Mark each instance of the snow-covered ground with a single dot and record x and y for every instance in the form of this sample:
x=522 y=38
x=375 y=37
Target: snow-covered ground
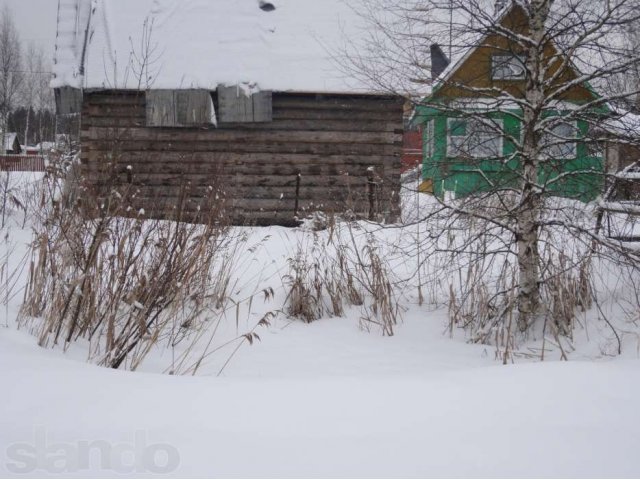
x=320 y=399
x=321 y=404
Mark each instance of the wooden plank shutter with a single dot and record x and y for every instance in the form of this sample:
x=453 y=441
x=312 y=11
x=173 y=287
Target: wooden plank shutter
x=262 y=107
x=68 y=100
x=179 y=108
x=237 y=107
x=160 y=108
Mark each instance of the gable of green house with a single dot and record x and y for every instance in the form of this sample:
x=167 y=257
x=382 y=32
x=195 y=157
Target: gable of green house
x=488 y=163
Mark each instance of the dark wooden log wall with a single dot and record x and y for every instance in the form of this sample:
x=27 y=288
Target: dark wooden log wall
x=331 y=141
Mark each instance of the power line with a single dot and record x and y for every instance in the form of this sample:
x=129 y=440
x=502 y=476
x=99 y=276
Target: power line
x=27 y=71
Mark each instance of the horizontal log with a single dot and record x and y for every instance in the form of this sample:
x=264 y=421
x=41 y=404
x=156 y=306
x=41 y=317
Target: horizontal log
x=172 y=200
x=278 y=115
x=89 y=121
x=195 y=170
x=311 y=125
x=344 y=125
x=244 y=211
x=257 y=180
x=135 y=99
x=339 y=103
x=250 y=205
x=237 y=186
x=206 y=162
x=117 y=110
x=235 y=191
x=244 y=136
x=268 y=214
x=252 y=210
x=138 y=112
x=186 y=148
x=323 y=115
x=285 y=195
x=162 y=159
x=387 y=174
x=280 y=101
x=310 y=96
x=327 y=95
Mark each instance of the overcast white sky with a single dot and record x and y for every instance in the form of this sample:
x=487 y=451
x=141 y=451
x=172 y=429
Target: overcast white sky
x=36 y=21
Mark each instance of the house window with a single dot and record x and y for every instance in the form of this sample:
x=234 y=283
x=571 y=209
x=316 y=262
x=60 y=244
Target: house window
x=474 y=137
x=507 y=67
x=429 y=140
x=560 y=141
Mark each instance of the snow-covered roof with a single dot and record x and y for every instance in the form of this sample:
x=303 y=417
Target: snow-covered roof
x=9 y=140
x=206 y=43
x=622 y=123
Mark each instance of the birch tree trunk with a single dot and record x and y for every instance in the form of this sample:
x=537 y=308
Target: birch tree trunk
x=26 y=127
x=11 y=74
x=530 y=205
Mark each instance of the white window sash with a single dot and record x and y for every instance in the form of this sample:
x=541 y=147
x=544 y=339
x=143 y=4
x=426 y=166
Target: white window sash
x=564 y=143
x=475 y=143
x=429 y=144
x=503 y=67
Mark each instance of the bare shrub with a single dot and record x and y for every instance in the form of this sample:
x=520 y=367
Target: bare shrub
x=484 y=279
x=344 y=269
x=306 y=280
x=383 y=308
x=107 y=272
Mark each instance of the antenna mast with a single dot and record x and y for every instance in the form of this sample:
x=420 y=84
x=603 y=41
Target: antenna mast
x=450 y=27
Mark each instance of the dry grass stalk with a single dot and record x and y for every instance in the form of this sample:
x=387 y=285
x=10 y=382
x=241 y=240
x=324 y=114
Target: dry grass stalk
x=327 y=276
x=482 y=300
x=106 y=272
x=383 y=309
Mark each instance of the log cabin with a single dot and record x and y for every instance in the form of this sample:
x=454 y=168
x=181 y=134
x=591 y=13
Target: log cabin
x=255 y=94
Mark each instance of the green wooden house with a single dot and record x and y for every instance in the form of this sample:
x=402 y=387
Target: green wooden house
x=472 y=125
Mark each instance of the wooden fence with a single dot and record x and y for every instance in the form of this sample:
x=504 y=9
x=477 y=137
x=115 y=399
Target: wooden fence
x=22 y=163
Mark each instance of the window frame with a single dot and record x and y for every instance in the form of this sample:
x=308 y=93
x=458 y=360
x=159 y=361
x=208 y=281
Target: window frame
x=429 y=144
x=512 y=56
x=551 y=152
x=476 y=152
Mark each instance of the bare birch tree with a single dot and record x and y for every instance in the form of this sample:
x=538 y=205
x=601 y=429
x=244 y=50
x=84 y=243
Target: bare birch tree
x=525 y=122
x=11 y=74
x=32 y=66
x=36 y=93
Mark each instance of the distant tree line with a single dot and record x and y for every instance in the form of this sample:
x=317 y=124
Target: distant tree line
x=42 y=125
x=26 y=100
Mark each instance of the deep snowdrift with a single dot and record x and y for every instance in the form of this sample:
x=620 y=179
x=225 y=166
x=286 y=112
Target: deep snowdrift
x=324 y=399
x=533 y=420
